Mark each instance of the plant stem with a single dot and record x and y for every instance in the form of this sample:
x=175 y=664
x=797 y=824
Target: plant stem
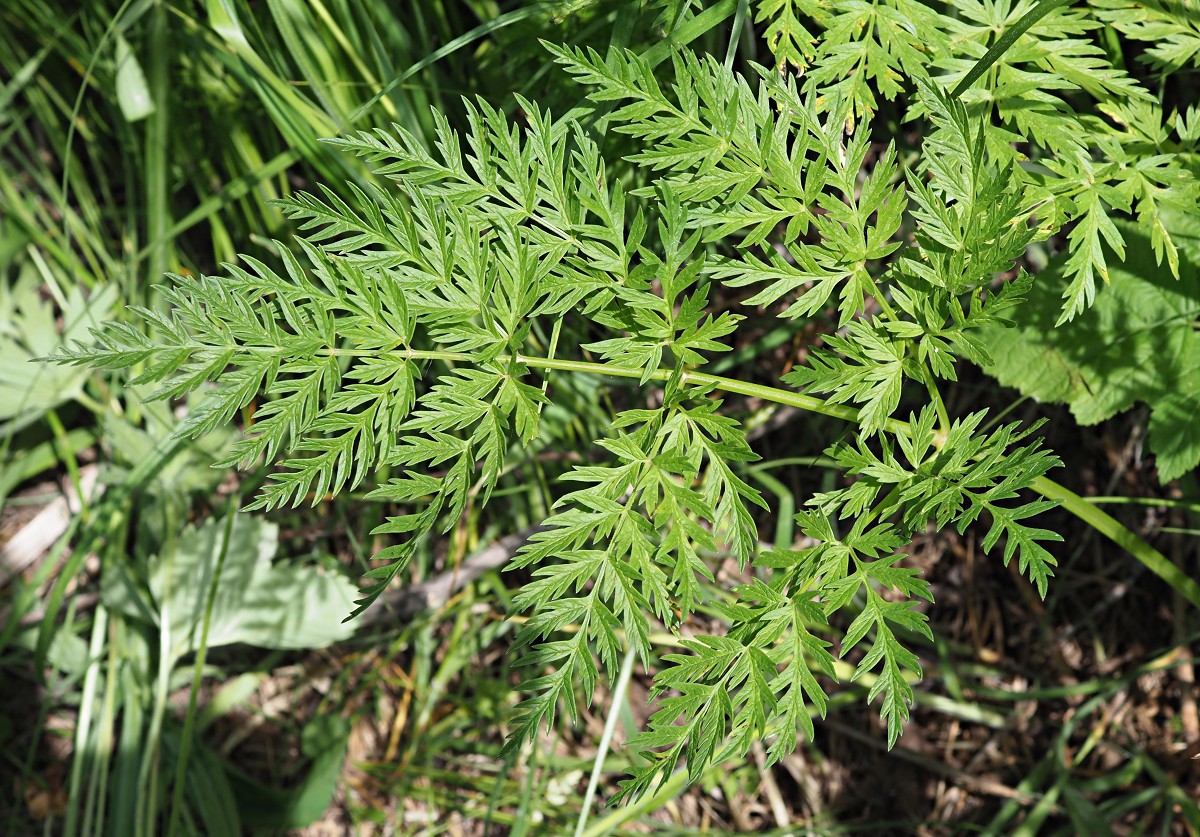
x=84 y=750
x=767 y=393
x=938 y=404
x=1103 y=523
x=1106 y=525
x=610 y=726
x=1005 y=41
x=189 y=721
x=774 y=394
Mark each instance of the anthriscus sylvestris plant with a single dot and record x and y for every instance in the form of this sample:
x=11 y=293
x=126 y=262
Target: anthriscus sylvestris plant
x=418 y=327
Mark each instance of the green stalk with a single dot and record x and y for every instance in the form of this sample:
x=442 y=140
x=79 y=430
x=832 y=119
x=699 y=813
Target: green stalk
x=146 y=807
x=1108 y=526
x=84 y=751
x=936 y=396
x=1005 y=42
x=610 y=726
x=158 y=204
x=189 y=723
x=94 y=809
x=1103 y=523
x=650 y=802
x=731 y=385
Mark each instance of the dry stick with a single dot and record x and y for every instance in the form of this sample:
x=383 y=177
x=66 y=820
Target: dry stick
x=990 y=787
x=407 y=602
x=770 y=789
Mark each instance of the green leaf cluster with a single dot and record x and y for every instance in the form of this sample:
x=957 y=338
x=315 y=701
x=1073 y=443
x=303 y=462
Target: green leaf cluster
x=1171 y=30
x=1092 y=139
x=419 y=334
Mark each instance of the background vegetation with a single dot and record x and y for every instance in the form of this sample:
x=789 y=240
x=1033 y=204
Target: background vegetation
x=145 y=137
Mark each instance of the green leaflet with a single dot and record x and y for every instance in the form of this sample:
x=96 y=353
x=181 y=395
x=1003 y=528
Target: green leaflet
x=1098 y=142
x=1138 y=343
x=1172 y=30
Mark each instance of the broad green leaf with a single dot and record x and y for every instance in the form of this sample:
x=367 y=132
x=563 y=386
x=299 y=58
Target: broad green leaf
x=1138 y=343
x=258 y=601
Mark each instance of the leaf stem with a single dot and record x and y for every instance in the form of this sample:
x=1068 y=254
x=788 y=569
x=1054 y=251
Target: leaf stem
x=938 y=404
x=1108 y=526
x=1103 y=523
x=775 y=395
